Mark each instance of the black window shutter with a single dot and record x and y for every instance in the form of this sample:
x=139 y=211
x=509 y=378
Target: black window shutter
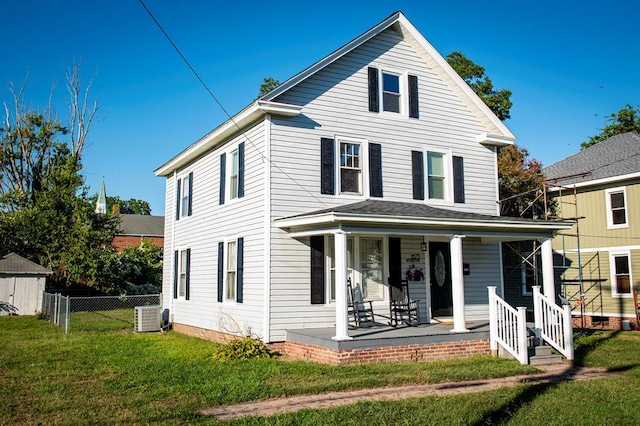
x=374 y=99
x=187 y=275
x=175 y=273
x=413 y=97
x=223 y=165
x=417 y=174
x=190 y=193
x=395 y=261
x=239 y=269
x=178 y=199
x=317 y=269
x=458 y=179
x=241 y=170
x=220 y=270
x=327 y=171
x=375 y=170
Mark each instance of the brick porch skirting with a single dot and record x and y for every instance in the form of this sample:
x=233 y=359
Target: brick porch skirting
x=403 y=353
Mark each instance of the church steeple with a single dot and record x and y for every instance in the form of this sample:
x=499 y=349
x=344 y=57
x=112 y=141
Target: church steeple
x=101 y=202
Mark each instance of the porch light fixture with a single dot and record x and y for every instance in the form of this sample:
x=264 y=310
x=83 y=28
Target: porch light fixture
x=423 y=245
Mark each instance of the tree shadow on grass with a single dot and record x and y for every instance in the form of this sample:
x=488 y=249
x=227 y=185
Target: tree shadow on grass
x=529 y=393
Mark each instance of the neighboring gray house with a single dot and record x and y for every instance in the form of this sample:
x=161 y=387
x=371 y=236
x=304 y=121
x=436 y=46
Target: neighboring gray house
x=342 y=173
x=22 y=283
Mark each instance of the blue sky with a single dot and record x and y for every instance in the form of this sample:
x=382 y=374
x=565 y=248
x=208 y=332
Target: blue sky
x=569 y=64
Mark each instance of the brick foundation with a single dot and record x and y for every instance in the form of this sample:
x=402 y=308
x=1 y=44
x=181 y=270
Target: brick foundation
x=604 y=322
x=403 y=353
x=406 y=353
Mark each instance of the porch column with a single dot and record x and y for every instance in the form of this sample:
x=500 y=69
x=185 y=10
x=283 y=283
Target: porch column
x=342 y=321
x=548 y=280
x=457 y=284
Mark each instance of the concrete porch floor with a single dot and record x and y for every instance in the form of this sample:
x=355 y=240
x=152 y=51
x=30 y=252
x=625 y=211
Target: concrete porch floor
x=384 y=336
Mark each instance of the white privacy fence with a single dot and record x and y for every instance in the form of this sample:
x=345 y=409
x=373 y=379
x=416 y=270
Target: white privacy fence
x=98 y=313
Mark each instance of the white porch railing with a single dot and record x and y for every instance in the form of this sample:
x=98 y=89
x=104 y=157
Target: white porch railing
x=508 y=327
x=553 y=323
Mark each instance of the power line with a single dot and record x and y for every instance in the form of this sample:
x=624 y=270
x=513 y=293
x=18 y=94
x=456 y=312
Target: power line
x=184 y=59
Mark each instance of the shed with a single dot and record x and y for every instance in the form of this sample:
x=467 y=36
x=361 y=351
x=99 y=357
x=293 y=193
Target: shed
x=22 y=283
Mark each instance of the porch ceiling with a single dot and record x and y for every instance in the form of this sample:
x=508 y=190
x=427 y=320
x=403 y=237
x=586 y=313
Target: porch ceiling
x=403 y=218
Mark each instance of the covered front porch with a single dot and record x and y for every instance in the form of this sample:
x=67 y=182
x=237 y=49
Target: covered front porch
x=459 y=251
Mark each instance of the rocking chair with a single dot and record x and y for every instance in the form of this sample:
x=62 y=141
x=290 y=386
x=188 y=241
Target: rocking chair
x=401 y=308
x=360 y=311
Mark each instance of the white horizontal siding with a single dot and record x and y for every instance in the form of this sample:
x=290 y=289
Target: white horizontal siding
x=212 y=223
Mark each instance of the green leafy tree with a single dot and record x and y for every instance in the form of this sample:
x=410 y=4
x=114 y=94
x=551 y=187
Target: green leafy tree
x=521 y=183
x=499 y=101
x=268 y=84
x=625 y=120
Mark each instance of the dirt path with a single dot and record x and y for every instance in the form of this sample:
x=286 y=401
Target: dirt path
x=551 y=374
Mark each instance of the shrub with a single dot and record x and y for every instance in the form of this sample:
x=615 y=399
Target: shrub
x=242 y=348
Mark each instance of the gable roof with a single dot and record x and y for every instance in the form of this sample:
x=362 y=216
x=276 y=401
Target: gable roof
x=498 y=133
x=611 y=160
x=141 y=225
x=13 y=264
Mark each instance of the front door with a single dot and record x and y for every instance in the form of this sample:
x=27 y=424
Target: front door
x=440 y=267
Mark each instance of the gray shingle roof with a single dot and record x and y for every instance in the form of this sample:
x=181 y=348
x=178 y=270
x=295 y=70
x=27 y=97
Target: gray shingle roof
x=13 y=264
x=617 y=156
x=141 y=225
x=404 y=209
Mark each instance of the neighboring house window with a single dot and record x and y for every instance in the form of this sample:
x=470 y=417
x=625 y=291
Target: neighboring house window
x=443 y=177
x=620 y=275
x=359 y=171
x=232 y=174
x=184 y=195
x=230 y=270
x=364 y=270
x=350 y=168
x=396 y=91
x=182 y=266
x=616 y=208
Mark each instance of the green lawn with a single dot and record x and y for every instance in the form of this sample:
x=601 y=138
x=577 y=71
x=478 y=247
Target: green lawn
x=119 y=377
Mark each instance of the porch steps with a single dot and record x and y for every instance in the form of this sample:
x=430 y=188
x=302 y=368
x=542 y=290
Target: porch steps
x=543 y=355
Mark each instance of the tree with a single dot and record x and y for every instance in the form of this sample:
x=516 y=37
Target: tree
x=44 y=212
x=521 y=183
x=268 y=84
x=497 y=100
x=625 y=120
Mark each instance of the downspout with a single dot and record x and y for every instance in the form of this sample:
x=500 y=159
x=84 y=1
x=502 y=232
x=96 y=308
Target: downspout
x=266 y=328
x=173 y=237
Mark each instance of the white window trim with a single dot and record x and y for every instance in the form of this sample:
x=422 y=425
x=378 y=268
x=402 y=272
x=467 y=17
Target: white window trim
x=228 y=167
x=404 y=91
x=184 y=213
x=225 y=277
x=608 y=192
x=364 y=166
x=448 y=176
x=356 y=272
x=181 y=250
x=612 y=271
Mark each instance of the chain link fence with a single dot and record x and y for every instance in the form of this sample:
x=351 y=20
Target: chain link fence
x=98 y=313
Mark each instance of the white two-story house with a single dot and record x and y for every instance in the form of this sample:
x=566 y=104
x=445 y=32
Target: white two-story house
x=376 y=161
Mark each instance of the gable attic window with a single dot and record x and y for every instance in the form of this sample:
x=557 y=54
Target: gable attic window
x=396 y=91
x=616 y=208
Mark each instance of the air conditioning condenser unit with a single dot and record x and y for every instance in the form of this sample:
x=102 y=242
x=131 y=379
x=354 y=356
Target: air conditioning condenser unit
x=147 y=318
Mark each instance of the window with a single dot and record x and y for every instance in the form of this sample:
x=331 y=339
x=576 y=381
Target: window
x=184 y=189
x=436 y=176
x=364 y=266
x=616 y=208
x=620 y=276
x=350 y=168
x=233 y=178
x=181 y=263
x=231 y=271
x=390 y=92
